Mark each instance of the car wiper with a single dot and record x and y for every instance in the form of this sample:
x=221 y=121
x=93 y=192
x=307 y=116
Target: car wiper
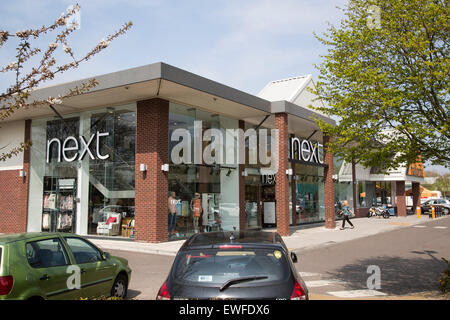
x=238 y=280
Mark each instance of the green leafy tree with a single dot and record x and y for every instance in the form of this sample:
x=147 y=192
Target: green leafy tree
x=33 y=66
x=442 y=184
x=385 y=79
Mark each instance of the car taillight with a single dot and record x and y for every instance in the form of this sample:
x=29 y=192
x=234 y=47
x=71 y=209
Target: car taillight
x=298 y=293
x=6 y=284
x=163 y=293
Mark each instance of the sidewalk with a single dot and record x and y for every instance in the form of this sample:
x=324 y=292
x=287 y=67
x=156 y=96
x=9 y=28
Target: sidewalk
x=302 y=237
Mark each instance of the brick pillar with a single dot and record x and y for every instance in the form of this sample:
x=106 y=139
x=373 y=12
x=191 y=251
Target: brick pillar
x=330 y=216
x=400 y=195
x=152 y=148
x=282 y=180
x=241 y=167
x=416 y=196
x=14 y=193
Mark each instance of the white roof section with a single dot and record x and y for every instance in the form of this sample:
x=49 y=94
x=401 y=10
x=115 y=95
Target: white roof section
x=293 y=90
x=285 y=89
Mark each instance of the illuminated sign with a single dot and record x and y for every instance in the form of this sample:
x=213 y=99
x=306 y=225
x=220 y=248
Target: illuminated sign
x=306 y=150
x=73 y=144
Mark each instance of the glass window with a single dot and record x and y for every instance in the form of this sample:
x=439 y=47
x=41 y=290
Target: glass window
x=83 y=251
x=97 y=181
x=215 y=266
x=310 y=205
x=46 y=253
x=203 y=193
x=112 y=180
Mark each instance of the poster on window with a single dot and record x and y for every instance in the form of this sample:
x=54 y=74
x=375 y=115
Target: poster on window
x=269 y=213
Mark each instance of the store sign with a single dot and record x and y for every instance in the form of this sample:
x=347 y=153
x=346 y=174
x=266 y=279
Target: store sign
x=268 y=179
x=306 y=150
x=73 y=144
x=416 y=169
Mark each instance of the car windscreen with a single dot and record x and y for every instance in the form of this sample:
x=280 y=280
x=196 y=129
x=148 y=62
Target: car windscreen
x=211 y=267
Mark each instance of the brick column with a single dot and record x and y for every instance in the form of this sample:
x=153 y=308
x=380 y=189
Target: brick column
x=416 y=196
x=330 y=216
x=282 y=182
x=152 y=148
x=400 y=195
x=241 y=168
x=14 y=193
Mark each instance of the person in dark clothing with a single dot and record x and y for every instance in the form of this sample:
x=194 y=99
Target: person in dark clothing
x=347 y=212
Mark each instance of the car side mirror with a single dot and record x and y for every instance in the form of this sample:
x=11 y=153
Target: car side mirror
x=106 y=255
x=294 y=257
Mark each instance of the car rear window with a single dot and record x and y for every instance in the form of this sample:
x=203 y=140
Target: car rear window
x=46 y=253
x=217 y=266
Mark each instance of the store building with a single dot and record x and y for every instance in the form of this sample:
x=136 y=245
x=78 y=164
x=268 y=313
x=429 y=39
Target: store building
x=363 y=187
x=112 y=161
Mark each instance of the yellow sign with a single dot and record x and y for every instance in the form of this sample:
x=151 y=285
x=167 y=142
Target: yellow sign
x=416 y=169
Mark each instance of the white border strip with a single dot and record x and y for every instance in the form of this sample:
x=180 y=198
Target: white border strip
x=11 y=168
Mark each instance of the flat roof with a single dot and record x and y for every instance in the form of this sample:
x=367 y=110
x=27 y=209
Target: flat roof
x=164 y=81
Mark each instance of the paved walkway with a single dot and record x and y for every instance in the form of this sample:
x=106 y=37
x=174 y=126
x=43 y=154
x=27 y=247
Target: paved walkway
x=301 y=238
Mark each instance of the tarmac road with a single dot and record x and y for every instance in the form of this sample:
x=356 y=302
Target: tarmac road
x=409 y=261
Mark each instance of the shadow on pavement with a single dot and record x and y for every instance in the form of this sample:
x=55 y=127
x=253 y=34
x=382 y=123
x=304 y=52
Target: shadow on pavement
x=132 y=294
x=399 y=276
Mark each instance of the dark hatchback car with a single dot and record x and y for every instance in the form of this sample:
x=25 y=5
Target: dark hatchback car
x=234 y=265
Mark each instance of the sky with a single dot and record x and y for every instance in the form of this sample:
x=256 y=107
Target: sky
x=240 y=43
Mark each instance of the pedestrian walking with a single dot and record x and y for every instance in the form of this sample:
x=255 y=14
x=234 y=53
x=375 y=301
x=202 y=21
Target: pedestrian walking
x=347 y=212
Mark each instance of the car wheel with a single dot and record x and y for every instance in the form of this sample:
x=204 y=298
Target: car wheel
x=446 y=211
x=120 y=287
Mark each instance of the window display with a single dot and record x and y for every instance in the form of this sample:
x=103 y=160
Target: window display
x=207 y=195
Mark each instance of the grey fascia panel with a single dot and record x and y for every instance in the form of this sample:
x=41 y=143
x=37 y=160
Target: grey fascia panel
x=191 y=80
x=105 y=81
x=298 y=111
x=156 y=71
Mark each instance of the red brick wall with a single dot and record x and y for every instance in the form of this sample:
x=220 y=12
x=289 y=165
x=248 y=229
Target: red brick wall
x=14 y=194
x=282 y=186
x=330 y=216
x=400 y=195
x=152 y=134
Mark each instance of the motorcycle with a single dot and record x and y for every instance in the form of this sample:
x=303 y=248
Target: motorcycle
x=378 y=212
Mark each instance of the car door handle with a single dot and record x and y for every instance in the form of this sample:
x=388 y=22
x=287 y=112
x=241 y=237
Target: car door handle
x=83 y=270
x=44 y=277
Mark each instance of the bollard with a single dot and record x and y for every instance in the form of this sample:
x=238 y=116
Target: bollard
x=433 y=213
x=419 y=211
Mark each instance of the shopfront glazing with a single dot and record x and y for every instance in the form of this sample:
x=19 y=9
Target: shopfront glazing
x=205 y=194
x=82 y=175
